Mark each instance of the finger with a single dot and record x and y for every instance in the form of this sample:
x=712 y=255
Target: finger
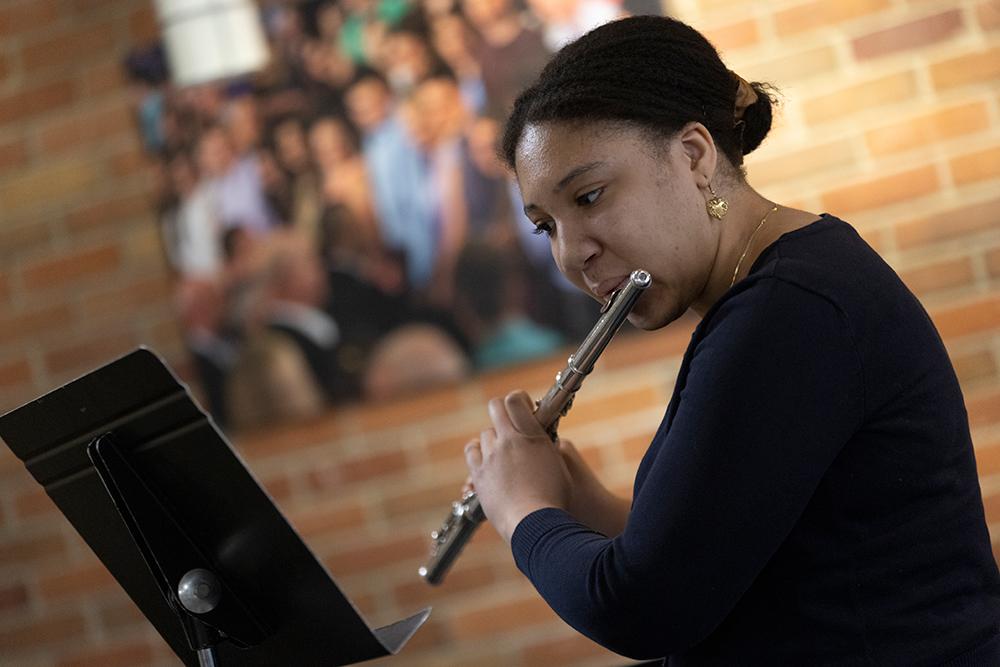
x=568 y=449
x=487 y=441
x=521 y=411
x=501 y=420
x=468 y=486
x=473 y=455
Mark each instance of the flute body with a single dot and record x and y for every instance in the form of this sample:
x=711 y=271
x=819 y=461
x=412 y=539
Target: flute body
x=467 y=514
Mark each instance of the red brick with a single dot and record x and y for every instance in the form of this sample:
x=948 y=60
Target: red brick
x=988 y=14
x=636 y=446
x=48 y=183
x=132 y=160
x=85 y=128
x=373 y=467
x=449 y=449
x=587 y=411
x=18 y=550
x=865 y=96
x=988 y=459
x=564 y=651
x=973 y=167
x=69 y=47
x=76 y=582
x=734 y=36
x=437 y=497
x=416 y=592
x=87 y=354
x=993 y=262
x=984 y=410
x=110 y=656
x=36 y=100
x=646 y=346
x=882 y=191
x=804 y=163
x=948 y=225
x=908 y=36
x=946 y=274
x=13 y=598
x=283 y=440
x=102 y=78
x=17 y=18
x=32 y=323
x=928 y=129
x=793 y=66
x=319 y=521
x=324 y=476
x=14 y=372
x=371 y=557
x=972 y=68
x=118 y=617
x=974 y=366
x=991 y=504
x=279 y=487
x=822 y=13
x=142 y=26
x=34 y=503
x=135 y=294
x=89 y=7
x=45 y=632
x=535 y=375
x=393 y=413
x=13 y=154
x=71 y=268
x=502 y=618
x=969 y=318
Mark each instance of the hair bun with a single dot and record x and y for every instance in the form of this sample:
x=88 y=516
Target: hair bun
x=757 y=117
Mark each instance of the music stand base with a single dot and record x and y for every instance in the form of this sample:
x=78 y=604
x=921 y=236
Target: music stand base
x=206 y=657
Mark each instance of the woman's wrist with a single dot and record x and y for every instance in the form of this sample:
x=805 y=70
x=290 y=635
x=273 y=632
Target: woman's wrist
x=516 y=513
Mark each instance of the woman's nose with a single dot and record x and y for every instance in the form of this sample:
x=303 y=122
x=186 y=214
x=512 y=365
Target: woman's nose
x=574 y=247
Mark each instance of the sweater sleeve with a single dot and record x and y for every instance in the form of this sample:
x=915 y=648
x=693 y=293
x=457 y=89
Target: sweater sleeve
x=772 y=392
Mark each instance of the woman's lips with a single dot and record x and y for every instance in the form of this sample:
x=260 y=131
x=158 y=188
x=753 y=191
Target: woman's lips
x=605 y=288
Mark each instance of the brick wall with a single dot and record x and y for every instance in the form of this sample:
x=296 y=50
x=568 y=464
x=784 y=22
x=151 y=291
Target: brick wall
x=891 y=119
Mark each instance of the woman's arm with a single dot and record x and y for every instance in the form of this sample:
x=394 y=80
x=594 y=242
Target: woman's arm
x=771 y=393
x=591 y=503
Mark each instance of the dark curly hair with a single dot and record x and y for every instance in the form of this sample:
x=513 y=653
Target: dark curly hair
x=650 y=71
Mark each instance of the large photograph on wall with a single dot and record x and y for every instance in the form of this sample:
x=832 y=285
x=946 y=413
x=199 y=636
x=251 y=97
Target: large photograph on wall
x=337 y=221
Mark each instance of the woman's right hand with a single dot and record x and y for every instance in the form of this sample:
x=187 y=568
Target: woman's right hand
x=591 y=503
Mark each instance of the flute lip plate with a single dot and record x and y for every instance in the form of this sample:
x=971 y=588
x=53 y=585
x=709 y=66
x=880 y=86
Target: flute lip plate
x=641 y=278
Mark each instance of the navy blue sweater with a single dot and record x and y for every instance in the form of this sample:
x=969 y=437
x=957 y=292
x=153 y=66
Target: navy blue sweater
x=810 y=497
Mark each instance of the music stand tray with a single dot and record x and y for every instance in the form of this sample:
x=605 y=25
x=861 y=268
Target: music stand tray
x=172 y=511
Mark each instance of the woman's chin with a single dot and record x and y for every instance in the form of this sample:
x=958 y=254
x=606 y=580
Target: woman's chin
x=650 y=314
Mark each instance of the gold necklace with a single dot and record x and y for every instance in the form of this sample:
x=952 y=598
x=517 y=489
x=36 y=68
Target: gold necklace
x=747 y=248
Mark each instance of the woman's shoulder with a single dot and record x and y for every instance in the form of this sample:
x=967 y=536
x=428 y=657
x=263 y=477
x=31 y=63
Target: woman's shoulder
x=827 y=256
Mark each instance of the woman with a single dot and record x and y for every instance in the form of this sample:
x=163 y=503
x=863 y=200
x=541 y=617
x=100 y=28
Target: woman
x=810 y=497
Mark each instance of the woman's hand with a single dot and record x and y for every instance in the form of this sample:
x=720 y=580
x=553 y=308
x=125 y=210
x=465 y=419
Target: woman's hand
x=514 y=466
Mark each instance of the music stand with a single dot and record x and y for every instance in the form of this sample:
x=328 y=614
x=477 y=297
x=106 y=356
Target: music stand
x=172 y=511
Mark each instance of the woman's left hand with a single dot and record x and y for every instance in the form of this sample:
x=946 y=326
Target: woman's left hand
x=514 y=466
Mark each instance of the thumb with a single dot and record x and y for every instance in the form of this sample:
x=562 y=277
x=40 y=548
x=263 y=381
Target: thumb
x=570 y=453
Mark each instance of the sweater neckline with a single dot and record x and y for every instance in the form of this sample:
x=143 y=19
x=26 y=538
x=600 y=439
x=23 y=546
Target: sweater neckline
x=810 y=228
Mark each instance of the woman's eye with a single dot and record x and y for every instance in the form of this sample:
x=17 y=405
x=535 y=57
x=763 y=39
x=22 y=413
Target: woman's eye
x=542 y=228
x=589 y=198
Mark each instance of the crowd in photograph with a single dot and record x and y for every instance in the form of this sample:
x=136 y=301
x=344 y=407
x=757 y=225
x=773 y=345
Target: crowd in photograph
x=339 y=225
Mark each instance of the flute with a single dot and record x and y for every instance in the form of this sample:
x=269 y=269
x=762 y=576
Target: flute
x=467 y=514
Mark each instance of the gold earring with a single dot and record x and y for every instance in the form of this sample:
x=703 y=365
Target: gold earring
x=717 y=207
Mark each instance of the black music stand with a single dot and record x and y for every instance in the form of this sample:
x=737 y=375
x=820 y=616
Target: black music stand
x=171 y=510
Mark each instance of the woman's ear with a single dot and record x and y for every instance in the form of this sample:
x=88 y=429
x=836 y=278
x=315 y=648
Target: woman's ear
x=699 y=148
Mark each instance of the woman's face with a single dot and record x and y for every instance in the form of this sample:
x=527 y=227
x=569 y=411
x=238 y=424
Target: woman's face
x=613 y=200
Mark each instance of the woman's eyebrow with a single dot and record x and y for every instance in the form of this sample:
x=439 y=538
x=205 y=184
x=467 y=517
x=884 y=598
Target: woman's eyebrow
x=576 y=171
